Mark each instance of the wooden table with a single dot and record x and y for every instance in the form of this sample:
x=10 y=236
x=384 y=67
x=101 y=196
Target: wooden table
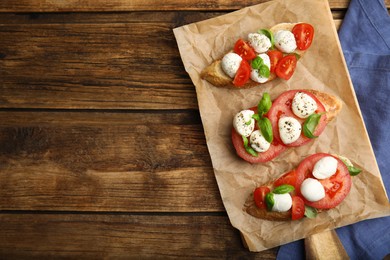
x=102 y=150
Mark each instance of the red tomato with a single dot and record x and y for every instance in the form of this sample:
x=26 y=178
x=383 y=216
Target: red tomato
x=336 y=187
x=275 y=149
x=281 y=106
x=243 y=74
x=303 y=34
x=290 y=178
x=259 y=196
x=274 y=56
x=286 y=67
x=243 y=49
x=298 y=208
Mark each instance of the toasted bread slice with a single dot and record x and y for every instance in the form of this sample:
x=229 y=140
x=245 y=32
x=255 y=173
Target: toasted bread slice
x=216 y=76
x=331 y=103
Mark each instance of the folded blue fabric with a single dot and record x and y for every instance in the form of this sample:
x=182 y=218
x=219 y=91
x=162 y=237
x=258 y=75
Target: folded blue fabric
x=365 y=40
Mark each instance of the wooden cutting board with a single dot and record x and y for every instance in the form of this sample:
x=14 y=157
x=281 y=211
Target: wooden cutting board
x=325 y=245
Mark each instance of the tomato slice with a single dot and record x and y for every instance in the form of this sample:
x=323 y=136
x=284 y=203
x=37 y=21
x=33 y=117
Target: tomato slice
x=290 y=178
x=243 y=74
x=243 y=49
x=298 y=208
x=303 y=33
x=336 y=187
x=281 y=107
x=259 y=196
x=286 y=67
x=274 y=56
x=275 y=149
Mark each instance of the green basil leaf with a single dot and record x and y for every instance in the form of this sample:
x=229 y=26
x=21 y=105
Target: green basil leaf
x=256 y=117
x=267 y=33
x=282 y=189
x=264 y=104
x=248 y=149
x=266 y=129
x=353 y=171
x=249 y=122
x=310 y=212
x=264 y=71
x=269 y=200
x=257 y=63
x=310 y=125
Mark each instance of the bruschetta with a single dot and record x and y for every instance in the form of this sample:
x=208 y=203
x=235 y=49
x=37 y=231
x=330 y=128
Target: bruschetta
x=294 y=118
x=320 y=182
x=262 y=57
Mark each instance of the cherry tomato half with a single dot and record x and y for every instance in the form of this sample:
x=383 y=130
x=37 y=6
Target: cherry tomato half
x=243 y=49
x=290 y=178
x=303 y=33
x=298 y=208
x=243 y=74
x=274 y=56
x=286 y=67
x=259 y=196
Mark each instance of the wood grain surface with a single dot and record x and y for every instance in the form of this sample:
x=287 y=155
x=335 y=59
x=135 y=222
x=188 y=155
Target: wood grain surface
x=102 y=150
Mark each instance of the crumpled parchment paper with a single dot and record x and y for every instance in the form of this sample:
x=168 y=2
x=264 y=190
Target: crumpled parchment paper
x=322 y=68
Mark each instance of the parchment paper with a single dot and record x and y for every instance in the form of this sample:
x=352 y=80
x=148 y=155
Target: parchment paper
x=322 y=68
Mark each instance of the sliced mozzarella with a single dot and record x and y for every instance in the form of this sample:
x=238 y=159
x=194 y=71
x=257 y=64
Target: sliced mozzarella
x=312 y=190
x=285 y=41
x=255 y=76
x=243 y=122
x=283 y=202
x=325 y=167
x=303 y=105
x=230 y=63
x=258 y=142
x=289 y=129
x=259 y=42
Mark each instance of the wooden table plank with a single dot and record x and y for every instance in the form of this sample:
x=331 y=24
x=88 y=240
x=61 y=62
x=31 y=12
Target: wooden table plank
x=90 y=161
x=134 y=5
x=122 y=235
x=109 y=65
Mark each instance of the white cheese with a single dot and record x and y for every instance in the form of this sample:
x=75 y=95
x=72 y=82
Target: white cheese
x=259 y=42
x=283 y=202
x=258 y=142
x=303 y=105
x=325 y=167
x=230 y=63
x=243 y=122
x=255 y=76
x=312 y=190
x=285 y=41
x=289 y=129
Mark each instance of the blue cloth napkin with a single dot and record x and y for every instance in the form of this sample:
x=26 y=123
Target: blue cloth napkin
x=365 y=40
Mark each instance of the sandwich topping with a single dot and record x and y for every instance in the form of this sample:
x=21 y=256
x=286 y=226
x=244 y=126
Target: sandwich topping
x=264 y=53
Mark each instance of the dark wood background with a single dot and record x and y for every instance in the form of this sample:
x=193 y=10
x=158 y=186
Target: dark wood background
x=102 y=150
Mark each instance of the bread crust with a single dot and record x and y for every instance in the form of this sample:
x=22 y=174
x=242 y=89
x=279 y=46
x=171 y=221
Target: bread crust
x=217 y=77
x=331 y=103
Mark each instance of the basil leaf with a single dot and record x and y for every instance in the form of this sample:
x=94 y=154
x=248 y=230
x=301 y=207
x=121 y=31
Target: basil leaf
x=264 y=104
x=266 y=129
x=310 y=125
x=264 y=71
x=353 y=171
x=256 y=117
x=249 y=122
x=282 y=189
x=248 y=149
x=267 y=33
x=269 y=200
x=310 y=212
x=257 y=63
